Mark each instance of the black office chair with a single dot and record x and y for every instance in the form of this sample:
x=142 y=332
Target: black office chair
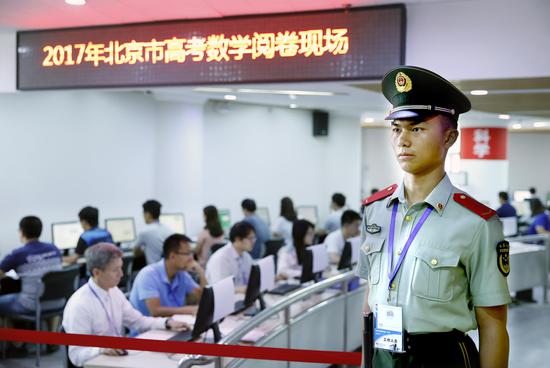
x=56 y=285
x=214 y=248
x=125 y=283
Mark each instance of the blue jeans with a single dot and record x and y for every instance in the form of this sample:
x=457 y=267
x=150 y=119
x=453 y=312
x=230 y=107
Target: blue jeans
x=9 y=304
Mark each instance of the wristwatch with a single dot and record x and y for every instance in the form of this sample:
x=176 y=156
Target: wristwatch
x=168 y=327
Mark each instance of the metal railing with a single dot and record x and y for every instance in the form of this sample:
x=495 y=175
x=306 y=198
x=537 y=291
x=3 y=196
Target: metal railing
x=235 y=336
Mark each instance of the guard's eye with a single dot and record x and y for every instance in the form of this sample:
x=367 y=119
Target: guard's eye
x=396 y=129
x=416 y=129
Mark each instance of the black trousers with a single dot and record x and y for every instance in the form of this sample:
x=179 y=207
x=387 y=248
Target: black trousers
x=435 y=350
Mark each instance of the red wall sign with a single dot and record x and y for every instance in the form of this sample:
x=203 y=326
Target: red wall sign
x=486 y=143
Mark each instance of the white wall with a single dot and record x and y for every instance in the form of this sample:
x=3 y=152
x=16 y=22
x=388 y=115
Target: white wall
x=480 y=39
x=266 y=153
x=61 y=151
x=529 y=156
x=7 y=61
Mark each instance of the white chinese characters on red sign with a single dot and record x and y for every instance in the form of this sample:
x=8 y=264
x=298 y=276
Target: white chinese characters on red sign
x=484 y=143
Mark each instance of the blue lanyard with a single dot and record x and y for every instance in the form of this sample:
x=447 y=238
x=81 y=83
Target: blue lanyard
x=105 y=309
x=392 y=272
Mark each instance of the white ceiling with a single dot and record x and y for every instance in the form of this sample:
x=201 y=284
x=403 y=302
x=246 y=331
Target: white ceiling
x=43 y=14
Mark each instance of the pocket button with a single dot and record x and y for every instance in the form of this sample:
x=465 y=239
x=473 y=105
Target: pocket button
x=434 y=262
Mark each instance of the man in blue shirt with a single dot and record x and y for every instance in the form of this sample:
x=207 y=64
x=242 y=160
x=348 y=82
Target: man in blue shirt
x=260 y=228
x=89 y=219
x=505 y=209
x=540 y=224
x=30 y=262
x=162 y=288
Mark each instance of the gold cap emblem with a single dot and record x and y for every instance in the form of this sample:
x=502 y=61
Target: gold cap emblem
x=402 y=82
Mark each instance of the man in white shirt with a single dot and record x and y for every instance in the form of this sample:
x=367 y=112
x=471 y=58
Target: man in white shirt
x=151 y=239
x=337 y=207
x=100 y=308
x=233 y=258
x=351 y=223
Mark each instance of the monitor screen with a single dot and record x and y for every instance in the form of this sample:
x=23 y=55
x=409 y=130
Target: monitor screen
x=521 y=195
x=263 y=213
x=314 y=263
x=522 y=207
x=509 y=226
x=123 y=230
x=225 y=219
x=65 y=234
x=174 y=221
x=307 y=213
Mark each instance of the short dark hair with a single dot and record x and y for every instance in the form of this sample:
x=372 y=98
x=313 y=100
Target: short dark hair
x=339 y=199
x=240 y=231
x=532 y=190
x=503 y=196
x=90 y=215
x=249 y=205
x=31 y=227
x=349 y=216
x=172 y=244
x=152 y=207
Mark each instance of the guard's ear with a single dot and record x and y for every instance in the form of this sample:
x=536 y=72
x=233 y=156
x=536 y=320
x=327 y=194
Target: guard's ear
x=451 y=135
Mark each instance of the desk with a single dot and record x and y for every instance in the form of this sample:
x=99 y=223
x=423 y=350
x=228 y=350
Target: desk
x=528 y=267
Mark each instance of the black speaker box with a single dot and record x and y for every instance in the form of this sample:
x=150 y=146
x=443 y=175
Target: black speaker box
x=320 y=123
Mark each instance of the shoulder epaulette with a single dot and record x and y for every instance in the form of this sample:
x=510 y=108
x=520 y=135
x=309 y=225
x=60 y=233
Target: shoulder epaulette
x=476 y=207
x=386 y=192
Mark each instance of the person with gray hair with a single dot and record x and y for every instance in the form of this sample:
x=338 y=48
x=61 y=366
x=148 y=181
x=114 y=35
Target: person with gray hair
x=100 y=308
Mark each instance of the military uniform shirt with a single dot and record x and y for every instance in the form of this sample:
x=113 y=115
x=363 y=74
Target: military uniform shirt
x=450 y=268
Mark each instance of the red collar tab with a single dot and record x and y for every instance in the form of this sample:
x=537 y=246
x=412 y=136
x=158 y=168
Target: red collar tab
x=478 y=208
x=386 y=192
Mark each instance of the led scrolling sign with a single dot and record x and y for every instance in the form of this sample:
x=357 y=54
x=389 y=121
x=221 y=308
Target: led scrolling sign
x=355 y=44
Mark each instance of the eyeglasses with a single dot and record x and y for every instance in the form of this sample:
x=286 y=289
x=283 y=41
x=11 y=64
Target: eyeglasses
x=184 y=253
x=252 y=238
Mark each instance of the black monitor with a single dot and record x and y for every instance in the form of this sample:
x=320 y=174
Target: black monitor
x=203 y=321
x=253 y=291
x=307 y=268
x=345 y=257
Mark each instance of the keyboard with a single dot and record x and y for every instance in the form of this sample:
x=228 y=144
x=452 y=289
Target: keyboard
x=284 y=289
x=182 y=336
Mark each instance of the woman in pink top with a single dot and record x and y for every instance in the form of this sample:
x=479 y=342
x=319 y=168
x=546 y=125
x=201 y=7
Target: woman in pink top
x=210 y=235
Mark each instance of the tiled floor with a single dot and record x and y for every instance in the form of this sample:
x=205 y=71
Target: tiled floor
x=528 y=325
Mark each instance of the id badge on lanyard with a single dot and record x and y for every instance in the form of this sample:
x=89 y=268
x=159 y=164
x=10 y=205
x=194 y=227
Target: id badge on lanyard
x=388 y=328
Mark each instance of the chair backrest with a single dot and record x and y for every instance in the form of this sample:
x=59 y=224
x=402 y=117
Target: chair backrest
x=214 y=248
x=127 y=265
x=60 y=284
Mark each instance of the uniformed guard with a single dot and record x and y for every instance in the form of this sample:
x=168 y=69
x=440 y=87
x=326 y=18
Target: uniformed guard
x=434 y=258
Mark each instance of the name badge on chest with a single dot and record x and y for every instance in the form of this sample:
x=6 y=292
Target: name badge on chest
x=388 y=328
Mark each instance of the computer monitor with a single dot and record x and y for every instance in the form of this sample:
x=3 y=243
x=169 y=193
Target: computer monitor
x=522 y=208
x=253 y=291
x=263 y=213
x=350 y=253
x=123 y=230
x=314 y=263
x=509 y=226
x=203 y=321
x=175 y=221
x=65 y=235
x=308 y=213
x=225 y=219
x=521 y=195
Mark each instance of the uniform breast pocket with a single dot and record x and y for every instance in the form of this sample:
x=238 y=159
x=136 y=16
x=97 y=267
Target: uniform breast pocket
x=434 y=272
x=373 y=251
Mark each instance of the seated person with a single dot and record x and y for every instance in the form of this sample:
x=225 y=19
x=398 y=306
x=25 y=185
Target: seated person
x=161 y=288
x=289 y=260
x=337 y=207
x=93 y=234
x=233 y=258
x=151 y=239
x=210 y=235
x=505 y=209
x=30 y=262
x=100 y=308
x=282 y=227
x=351 y=224
x=261 y=229
x=540 y=224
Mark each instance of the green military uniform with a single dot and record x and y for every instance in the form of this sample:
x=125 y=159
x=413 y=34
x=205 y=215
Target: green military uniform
x=457 y=261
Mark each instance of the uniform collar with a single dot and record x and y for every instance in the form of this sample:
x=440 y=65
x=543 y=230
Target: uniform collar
x=234 y=252
x=438 y=198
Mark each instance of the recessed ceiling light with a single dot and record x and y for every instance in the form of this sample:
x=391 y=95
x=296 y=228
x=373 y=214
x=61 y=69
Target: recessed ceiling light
x=504 y=116
x=284 y=92
x=293 y=106
x=76 y=2
x=540 y=124
x=230 y=97
x=479 y=92
x=213 y=89
x=368 y=120
x=516 y=126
